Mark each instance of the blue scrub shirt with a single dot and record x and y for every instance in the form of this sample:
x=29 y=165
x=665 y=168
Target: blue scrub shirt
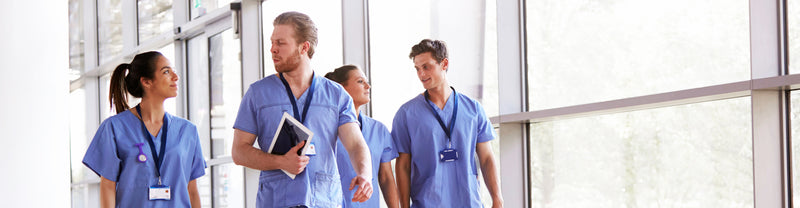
x=113 y=154
x=381 y=149
x=260 y=112
x=417 y=132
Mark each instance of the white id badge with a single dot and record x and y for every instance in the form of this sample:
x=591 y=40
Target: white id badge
x=312 y=150
x=159 y=192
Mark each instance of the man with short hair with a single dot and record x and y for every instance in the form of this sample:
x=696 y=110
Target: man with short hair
x=320 y=104
x=438 y=134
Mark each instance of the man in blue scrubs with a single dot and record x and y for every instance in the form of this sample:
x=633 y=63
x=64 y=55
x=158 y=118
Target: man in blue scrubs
x=438 y=134
x=320 y=104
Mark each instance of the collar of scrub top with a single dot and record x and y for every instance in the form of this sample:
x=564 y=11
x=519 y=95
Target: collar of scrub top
x=292 y=99
x=447 y=131
x=158 y=160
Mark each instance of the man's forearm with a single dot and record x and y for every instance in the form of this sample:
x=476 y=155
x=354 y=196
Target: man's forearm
x=403 y=169
x=388 y=185
x=254 y=158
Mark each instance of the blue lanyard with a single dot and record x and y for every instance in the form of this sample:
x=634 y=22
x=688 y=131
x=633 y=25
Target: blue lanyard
x=158 y=160
x=447 y=131
x=294 y=103
x=360 y=123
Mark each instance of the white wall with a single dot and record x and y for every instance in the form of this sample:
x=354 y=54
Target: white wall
x=34 y=134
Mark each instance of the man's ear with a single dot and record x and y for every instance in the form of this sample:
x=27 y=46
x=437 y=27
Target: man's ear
x=305 y=47
x=445 y=63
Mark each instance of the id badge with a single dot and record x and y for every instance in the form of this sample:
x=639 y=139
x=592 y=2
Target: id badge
x=448 y=155
x=159 y=192
x=312 y=150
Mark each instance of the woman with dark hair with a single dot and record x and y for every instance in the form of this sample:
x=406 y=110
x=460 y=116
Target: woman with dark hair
x=144 y=156
x=377 y=137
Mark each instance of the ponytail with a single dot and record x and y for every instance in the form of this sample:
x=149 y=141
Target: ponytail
x=341 y=74
x=122 y=83
x=118 y=94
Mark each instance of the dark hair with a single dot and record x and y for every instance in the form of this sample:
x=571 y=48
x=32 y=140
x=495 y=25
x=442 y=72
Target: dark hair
x=341 y=74
x=143 y=65
x=304 y=28
x=437 y=48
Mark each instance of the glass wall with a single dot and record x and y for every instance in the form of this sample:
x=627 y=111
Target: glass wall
x=109 y=29
x=696 y=155
x=470 y=32
x=793 y=21
x=603 y=50
x=155 y=17
x=76 y=60
x=327 y=16
x=201 y=7
x=226 y=93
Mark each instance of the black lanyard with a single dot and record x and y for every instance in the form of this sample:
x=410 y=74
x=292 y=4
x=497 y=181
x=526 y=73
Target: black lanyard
x=158 y=160
x=294 y=103
x=447 y=131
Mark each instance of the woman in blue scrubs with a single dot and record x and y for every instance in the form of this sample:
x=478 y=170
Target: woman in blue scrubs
x=144 y=156
x=377 y=137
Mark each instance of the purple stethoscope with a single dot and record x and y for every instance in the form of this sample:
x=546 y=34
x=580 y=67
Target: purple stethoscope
x=142 y=157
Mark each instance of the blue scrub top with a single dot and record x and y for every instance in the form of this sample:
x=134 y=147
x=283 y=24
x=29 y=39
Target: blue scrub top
x=417 y=132
x=113 y=154
x=381 y=149
x=260 y=112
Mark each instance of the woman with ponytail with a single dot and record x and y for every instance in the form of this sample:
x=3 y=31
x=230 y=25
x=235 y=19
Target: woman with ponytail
x=144 y=156
x=378 y=140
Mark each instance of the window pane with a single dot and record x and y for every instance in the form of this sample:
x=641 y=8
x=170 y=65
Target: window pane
x=470 y=31
x=696 y=155
x=226 y=90
x=228 y=185
x=327 y=15
x=155 y=18
x=77 y=135
x=589 y=51
x=76 y=60
x=793 y=21
x=109 y=29
x=204 y=188
x=795 y=124
x=201 y=7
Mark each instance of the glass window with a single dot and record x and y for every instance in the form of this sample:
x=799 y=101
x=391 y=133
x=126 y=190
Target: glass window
x=155 y=18
x=76 y=38
x=327 y=16
x=226 y=90
x=77 y=135
x=793 y=10
x=109 y=29
x=226 y=94
x=228 y=185
x=795 y=131
x=470 y=31
x=201 y=7
x=696 y=155
x=197 y=78
x=590 y=51
x=214 y=65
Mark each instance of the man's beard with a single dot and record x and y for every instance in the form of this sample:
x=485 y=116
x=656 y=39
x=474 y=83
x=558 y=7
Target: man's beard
x=289 y=63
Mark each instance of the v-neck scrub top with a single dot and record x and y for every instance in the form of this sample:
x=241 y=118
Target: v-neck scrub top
x=417 y=132
x=260 y=113
x=113 y=154
x=382 y=150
